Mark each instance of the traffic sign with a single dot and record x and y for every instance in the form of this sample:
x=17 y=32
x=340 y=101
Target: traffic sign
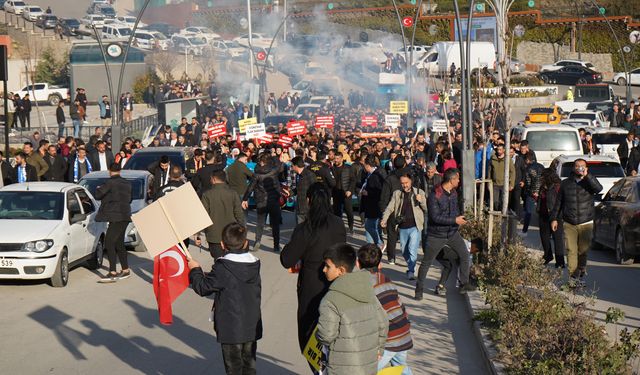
x=261 y=56
x=602 y=11
x=401 y=106
x=634 y=37
x=480 y=7
x=407 y=21
x=330 y=6
x=439 y=126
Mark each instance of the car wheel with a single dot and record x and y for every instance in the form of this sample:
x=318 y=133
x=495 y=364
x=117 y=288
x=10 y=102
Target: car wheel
x=582 y=81
x=622 y=82
x=621 y=254
x=97 y=258
x=61 y=275
x=54 y=100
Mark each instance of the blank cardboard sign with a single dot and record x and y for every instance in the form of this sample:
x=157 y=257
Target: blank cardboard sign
x=171 y=219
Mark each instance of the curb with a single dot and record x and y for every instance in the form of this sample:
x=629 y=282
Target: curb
x=475 y=303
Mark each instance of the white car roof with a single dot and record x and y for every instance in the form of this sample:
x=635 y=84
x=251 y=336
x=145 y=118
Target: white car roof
x=588 y=158
x=584 y=112
x=606 y=130
x=125 y=173
x=543 y=127
x=45 y=186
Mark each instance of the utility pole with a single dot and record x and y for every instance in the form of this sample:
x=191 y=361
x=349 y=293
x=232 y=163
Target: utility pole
x=284 y=37
x=250 y=40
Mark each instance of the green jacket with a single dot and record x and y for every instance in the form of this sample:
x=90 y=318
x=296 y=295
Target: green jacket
x=497 y=171
x=223 y=206
x=237 y=175
x=353 y=325
x=35 y=160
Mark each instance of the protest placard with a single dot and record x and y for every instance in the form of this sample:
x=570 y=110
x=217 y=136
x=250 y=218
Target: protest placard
x=325 y=122
x=255 y=130
x=439 y=126
x=399 y=107
x=296 y=128
x=371 y=121
x=217 y=130
x=392 y=121
x=242 y=124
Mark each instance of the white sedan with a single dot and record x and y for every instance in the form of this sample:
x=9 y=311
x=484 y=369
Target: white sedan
x=32 y=12
x=257 y=40
x=206 y=34
x=46 y=228
x=634 y=78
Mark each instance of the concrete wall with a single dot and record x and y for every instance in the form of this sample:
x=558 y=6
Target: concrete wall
x=93 y=78
x=542 y=53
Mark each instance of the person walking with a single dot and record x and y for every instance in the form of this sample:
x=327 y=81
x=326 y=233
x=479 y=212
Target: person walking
x=547 y=198
x=35 y=160
x=127 y=106
x=115 y=208
x=76 y=117
x=443 y=230
x=27 y=107
x=238 y=175
x=79 y=165
x=392 y=184
x=304 y=179
x=265 y=187
x=532 y=179
x=60 y=119
x=498 y=161
x=309 y=241
x=370 y=203
x=343 y=191
x=407 y=206
x=224 y=207
x=574 y=207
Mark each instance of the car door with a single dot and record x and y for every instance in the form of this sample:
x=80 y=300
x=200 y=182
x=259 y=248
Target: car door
x=634 y=77
x=631 y=223
x=76 y=231
x=603 y=217
x=92 y=229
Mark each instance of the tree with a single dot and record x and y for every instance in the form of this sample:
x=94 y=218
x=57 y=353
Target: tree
x=50 y=69
x=165 y=62
x=142 y=83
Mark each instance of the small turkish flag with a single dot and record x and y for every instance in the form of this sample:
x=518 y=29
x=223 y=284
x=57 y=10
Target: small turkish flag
x=170 y=279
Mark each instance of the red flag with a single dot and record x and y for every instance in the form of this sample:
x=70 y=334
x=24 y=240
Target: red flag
x=170 y=279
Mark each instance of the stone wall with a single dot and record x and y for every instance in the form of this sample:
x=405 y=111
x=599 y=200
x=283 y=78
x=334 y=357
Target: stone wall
x=542 y=53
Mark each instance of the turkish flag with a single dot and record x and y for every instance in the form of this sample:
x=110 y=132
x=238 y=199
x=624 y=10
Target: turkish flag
x=170 y=279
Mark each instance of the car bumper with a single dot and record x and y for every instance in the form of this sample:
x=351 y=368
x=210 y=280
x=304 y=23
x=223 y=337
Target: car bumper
x=23 y=268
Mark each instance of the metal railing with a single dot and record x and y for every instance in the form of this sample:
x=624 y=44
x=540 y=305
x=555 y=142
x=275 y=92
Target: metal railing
x=136 y=127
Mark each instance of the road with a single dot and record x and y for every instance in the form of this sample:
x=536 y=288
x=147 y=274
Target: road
x=91 y=328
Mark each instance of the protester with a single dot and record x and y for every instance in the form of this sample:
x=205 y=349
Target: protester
x=547 y=200
x=309 y=240
x=57 y=165
x=343 y=191
x=6 y=171
x=370 y=203
x=35 y=160
x=79 y=165
x=391 y=185
x=23 y=172
x=239 y=175
x=351 y=324
x=115 y=208
x=235 y=281
x=101 y=158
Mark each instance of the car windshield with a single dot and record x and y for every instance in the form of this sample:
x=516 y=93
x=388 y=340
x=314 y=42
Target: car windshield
x=205 y=30
x=142 y=161
x=542 y=110
x=196 y=41
x=19 y=3
x=553 y=141
x=596 y=168
x=302 y=85
x=98 y=18
x=31 y=205
x=232 y=44
x=159 y=36
x=124 y=31
x=35 y=9
x=609 y=138
x=588 y=116
x=72 y=23
x=137 y=186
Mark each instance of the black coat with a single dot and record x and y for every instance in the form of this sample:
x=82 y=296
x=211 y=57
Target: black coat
x=345 y=179
x=370 y=203
x=60 y=115
x=305 y=180
x=95 y=160
x=202 y=180
x=115 y=200
x=308 y=247
x=57 y=168
x=159 y=177
x=323 y=174
x=237 y=287
x=265 y=186
x=32 y=175
x=6 y=172
x=575 y=200
x=634 y=161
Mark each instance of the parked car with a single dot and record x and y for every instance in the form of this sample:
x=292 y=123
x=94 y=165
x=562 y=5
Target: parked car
x=106 y=10
x=608 y=139
x=164 y=28
x=69 y=26
x=548 y=115
x=597 y=118
x=150 y=40
x=549 y=141
x=577 y=122
x=14 y=6
x=606 y=168
x=130 y=21
x=32 y=12
x=189 y=45
x=634 y=78
x=143 y=159
x=292 y=66
x=304 y=111
x=46 y=228
x=141 y=182
x=562 y=63
x=311 y=44
x=257 y=40
x=571 y=75
x=44 y=92
x=115 y=31
x=47 y=21
x=586 y=94
x=206 y=34
x=91 y=20
x=227 y=49
x=273 y=119
x=617 y=223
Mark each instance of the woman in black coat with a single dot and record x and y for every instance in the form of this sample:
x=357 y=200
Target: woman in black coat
x=309 y=241
x=547 y=199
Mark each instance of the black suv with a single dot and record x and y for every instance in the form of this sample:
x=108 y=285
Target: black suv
x=144 y=158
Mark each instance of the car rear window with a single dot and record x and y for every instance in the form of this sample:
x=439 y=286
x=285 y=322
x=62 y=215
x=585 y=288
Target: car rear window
x=137 y=186
x=542 y=110
x=588 y=116
x=142 y=161
x=609 y=139
x=596 y=168
x=550 y=140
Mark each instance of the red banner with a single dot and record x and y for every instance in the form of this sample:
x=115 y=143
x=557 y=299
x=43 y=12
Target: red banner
x=325 y=122
x=376 y=135
x=217 y=130
x=266 y=138
x=371 y=121
x=285 y=141
x=296 y=128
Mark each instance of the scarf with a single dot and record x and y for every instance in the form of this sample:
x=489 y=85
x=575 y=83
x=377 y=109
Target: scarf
x=22 y=174
x=76 y=168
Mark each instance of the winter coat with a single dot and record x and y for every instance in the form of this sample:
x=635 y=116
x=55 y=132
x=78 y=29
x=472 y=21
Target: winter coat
x=265 y=186
x=370 y=203
x=57 y=168
x=36 y=161
x=345 y=179
x=237 y=176
x=394 y=208
x=532 y=179
x=308 y=247
x=353 y=325
x=223 y=206
x=323 y=174
x=304 y=181
x=497 y=171
x=575 y=200
x=235 y=280
x=442 y=208
x=115 y=200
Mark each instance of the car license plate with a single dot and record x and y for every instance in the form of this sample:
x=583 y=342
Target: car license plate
x=6 y=263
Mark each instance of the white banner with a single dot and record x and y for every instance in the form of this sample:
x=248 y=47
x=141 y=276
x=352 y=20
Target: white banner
x=392 y=121
x=255 y=130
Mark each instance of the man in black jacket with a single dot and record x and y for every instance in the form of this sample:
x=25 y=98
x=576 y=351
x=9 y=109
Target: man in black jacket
x=101 y=158
x=194 y=164
x=521 y=168
x=160 y=171
x=60 y=119
x=391 y=184
x=23 y=172
x=57 y=165
x=633 y=165
x=6 y=171
x=625 y=147
x=343 y=191
x=322 y=171
x=115 y=208
x=575 y=207
x=202 y=180
x=370 y=193
x=304 y=179
x=26 y=104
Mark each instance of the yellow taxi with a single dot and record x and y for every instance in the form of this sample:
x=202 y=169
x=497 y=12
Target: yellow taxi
x=547 y=115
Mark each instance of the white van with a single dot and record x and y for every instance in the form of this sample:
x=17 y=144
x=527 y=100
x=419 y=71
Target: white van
x=549 y=141
x=438 y=59
x=115 y=31
x=150 y=40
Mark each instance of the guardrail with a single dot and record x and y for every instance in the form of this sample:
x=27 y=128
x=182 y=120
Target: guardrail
x=136 y=127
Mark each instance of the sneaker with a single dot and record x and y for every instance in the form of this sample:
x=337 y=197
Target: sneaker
x=392 y=262
x=108 y=278
x=122 y=275
x=466 y=288
x=440 y=290
x=411 y=276
x=256 y=246
x=418 y=295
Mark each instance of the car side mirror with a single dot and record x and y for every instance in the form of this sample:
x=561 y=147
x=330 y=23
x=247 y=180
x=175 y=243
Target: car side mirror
x=77 y=217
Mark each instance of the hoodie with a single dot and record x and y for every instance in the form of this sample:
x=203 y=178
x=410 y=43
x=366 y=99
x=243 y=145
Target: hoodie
x=235 y=278
x=353 y=325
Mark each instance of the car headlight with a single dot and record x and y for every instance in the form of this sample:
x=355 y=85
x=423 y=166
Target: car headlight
x=38 y=246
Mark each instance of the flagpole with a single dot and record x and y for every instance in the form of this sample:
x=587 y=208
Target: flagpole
x=185 y=250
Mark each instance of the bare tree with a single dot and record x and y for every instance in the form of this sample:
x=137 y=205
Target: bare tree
x=207 y=66
x=165 y=62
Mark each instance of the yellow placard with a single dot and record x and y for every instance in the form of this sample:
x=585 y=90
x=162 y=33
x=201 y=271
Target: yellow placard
x=396 y=370
x=313 y=351
x=242 y=124
x=399 y=107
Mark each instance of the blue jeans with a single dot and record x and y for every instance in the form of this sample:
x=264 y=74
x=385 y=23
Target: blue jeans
x=371 y=231
x=394 y=359
x=409 y=243
x=529 y=206
x=77 y=128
